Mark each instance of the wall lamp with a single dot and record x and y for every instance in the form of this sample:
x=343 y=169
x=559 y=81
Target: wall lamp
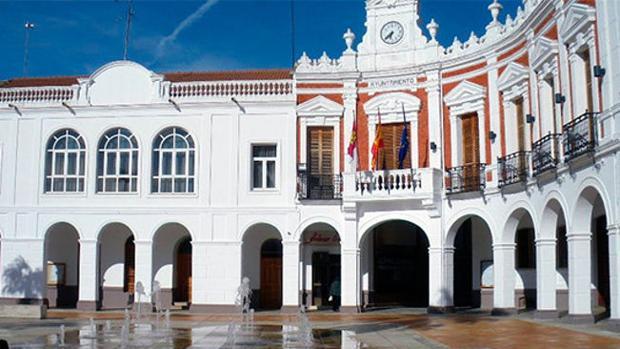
x=559 y=98
x=492 y=136
x=599 y=71
x=529 y=118
x=433 y=146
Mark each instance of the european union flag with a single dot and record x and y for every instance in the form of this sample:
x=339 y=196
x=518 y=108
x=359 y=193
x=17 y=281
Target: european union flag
x=404 y=143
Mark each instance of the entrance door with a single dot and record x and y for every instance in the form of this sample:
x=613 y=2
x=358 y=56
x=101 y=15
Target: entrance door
x=320 y=162
x=184 y=272
x=471 y=152
x=130 y=273
x=325 y=270
x=271 y=275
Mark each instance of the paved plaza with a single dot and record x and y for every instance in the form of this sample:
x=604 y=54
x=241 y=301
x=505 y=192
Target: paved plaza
x=390 y=329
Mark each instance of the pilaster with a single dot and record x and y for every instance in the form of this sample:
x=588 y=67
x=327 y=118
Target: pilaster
x=87 y=298
x=579 y=273
x=546 y=275
x=504 y=278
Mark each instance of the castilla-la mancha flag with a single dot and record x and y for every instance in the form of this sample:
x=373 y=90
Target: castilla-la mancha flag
x=377 y=146
x=351 y=150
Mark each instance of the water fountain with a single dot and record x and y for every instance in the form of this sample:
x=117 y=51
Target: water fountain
x=108 y=325
x=167 y=318
x=140 y=291
x=93 y=328
x=244 y=291
x=156 y=296
x=61 y=335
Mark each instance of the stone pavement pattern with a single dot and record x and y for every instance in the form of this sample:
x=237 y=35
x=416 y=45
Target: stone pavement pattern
x=327 y=330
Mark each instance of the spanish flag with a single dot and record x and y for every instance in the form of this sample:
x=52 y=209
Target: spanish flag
x=353 y=142
x=377 y=146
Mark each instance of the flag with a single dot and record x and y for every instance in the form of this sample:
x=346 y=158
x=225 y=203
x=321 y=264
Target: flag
x=353 y=142
x=404 y=143
x=377 y=146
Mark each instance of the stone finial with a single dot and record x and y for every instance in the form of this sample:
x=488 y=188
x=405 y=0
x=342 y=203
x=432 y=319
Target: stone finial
x=495 y=9
x=349 y=37
x=433 y=27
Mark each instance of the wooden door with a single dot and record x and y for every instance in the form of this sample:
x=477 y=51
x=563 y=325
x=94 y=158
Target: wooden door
x=184 y=272
x=130 y=273
x=392 y=134
x=271 y=282
x=520 y=125
x=471 y=151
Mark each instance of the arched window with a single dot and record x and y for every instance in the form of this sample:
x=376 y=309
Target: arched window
x=65 y=162
x=117 y=162
x=173 y=162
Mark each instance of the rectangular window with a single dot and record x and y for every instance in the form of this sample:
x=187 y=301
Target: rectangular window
x=264 y=165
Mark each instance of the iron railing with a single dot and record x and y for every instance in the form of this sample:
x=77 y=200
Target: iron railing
x=466 y=178
x=545 y=153
x=319 y=187
x=579 y=136
x=512 y=168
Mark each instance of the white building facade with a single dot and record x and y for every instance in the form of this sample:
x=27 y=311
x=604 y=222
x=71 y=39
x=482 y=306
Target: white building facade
x=125 y=182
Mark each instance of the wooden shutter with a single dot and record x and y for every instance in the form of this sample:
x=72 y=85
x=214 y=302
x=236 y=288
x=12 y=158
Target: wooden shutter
x=471 y=148
x=520 y=125
x=587 y=69
x=320 y=150
x=391 y=141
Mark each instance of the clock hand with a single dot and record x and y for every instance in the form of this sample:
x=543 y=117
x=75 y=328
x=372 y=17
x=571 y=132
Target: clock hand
x=389 y=36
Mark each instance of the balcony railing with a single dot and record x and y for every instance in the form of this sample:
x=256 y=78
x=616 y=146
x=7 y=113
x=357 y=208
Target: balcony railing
x=387 y=181
x=513 y=168
x=579 y=136
x=319 y=187
x=545 y=153
x=466 y=178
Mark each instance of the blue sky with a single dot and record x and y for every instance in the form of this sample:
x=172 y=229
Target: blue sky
x=76 y=37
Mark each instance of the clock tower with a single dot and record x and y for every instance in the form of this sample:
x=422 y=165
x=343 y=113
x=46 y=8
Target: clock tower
x=393 y=37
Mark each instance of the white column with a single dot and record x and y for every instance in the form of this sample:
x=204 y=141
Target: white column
x=436 y=298
x=435 y=122
x=504 y=276
x=579 y=273
x=448 y=279
x=87 y=299
x=290 y=275
x=350 y=261
x=613 y=232
x=143 y=269
x=199 y=272
x=545 y=274
x=494 y=107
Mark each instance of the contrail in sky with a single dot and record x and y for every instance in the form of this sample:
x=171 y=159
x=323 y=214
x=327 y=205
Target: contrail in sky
x=184 y=24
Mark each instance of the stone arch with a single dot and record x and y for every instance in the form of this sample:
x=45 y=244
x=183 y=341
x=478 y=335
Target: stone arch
x=61 y=257
x=552 y=211
x=170 y=272
x=461 y=217
x=584 y=205
x=116 y=265
x=370 y=224
x=248 y=227
x=313 y=220
x=157 y=228
x=518 y=212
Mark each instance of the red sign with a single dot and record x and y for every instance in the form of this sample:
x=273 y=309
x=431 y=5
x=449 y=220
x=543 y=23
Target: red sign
x=323 y=238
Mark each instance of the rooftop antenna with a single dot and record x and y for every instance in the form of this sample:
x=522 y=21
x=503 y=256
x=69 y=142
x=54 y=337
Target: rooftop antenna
x=27 y=27
x=130 y=14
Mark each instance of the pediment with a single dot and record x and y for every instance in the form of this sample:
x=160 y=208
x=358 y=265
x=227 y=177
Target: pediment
x=466 y=91
x=514 y=74
x=122 y=83
x=577 y=19
x=544 y=50
x=320 y=106
x=391 y=106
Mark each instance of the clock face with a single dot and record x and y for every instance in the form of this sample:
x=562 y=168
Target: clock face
x=392 y=32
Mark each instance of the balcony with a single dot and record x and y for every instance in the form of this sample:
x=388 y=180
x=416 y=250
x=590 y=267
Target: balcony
x=319 y=187
x=466 y=178
x=420 y=184
x=579 y=136
x=513 y=168
x=545 y=154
